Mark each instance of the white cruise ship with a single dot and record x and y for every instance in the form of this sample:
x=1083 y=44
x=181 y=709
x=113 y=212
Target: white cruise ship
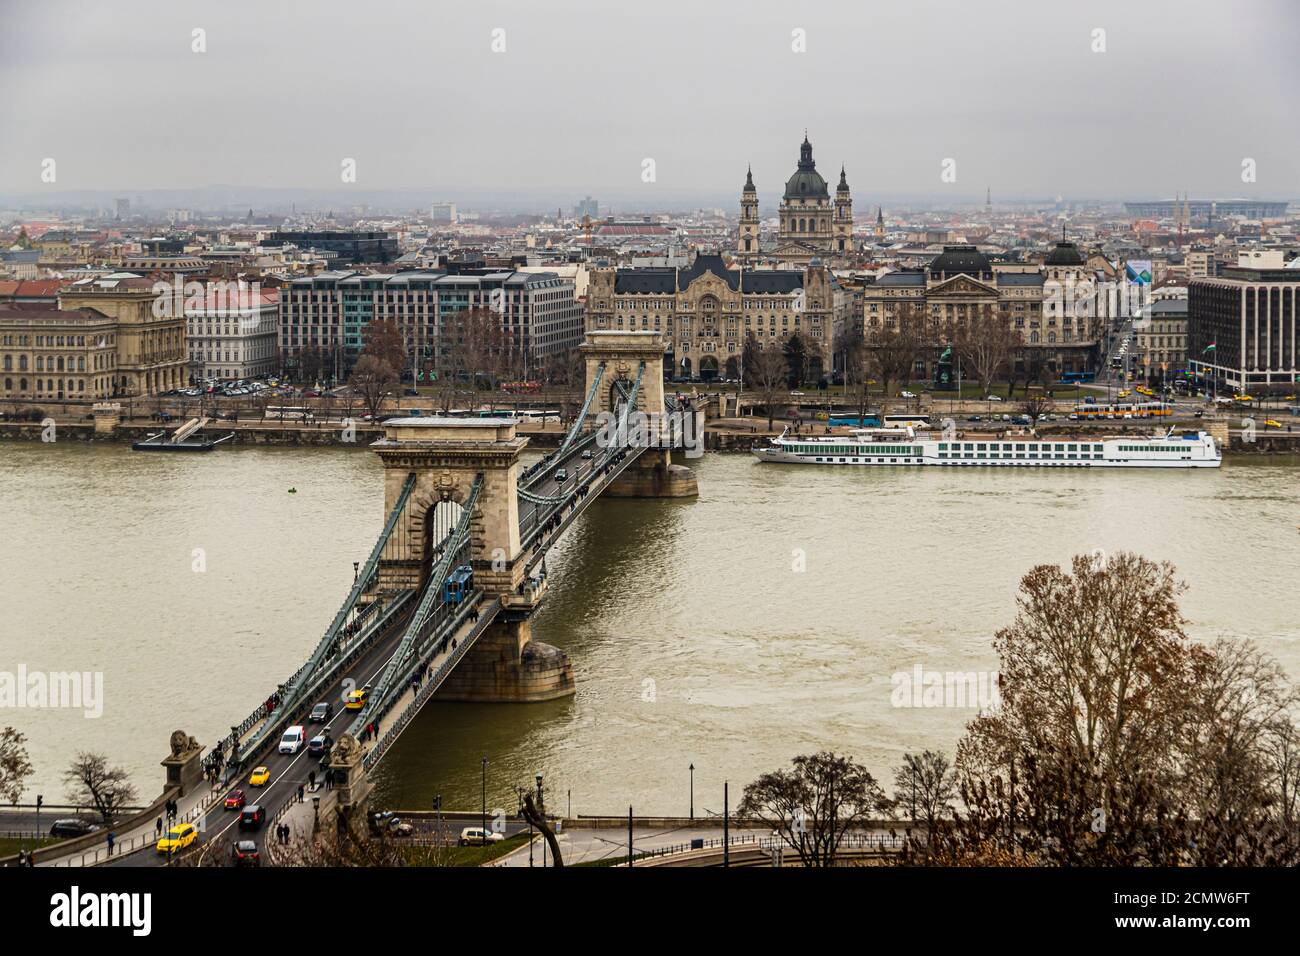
x=1189 y=449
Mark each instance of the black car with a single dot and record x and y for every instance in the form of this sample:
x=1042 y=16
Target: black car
x=72 y=827
x=251 y=817
x=244 y=853
x=320 y=712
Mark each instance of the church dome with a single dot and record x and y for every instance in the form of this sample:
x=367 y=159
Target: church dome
x=806 y=183
x=1065 y=254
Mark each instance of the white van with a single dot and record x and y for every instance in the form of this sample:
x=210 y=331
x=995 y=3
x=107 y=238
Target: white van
x=292 y=740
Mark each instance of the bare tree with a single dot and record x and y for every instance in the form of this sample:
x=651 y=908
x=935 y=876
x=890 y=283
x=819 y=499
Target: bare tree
x=1118 y=741
x=91 y=782
x=927 y=785
x=374 y=380
x=15 y=767
x=985 y=343
x=813 y=805
x=767 y=371
x=1036 y=406
x=383 y=339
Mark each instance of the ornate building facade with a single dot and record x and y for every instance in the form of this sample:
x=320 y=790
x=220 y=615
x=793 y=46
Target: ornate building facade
x=812 y=224
x=705 y=311
x=1052 y=306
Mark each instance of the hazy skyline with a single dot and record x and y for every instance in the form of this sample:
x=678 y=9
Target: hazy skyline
x=585 y=92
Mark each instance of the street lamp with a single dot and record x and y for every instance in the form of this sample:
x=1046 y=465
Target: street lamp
x=541 y=809
x=692 y=768
x=484 y=833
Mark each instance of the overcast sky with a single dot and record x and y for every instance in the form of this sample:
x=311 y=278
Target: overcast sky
x=585 y=91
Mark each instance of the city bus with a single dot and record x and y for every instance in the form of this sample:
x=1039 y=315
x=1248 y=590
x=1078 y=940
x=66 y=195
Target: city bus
x=1073 y=378
x=1123 y=410
x=288 y=413
x=909 y=420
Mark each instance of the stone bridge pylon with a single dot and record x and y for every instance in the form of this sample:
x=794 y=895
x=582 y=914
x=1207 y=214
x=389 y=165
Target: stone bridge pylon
x=653 y=474
x=447 y=455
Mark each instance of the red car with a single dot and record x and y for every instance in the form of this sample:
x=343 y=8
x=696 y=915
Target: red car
x=235 y=801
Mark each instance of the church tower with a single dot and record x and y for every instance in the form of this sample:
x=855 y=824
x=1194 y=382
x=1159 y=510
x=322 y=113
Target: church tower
x=880 y=223
x=842 y=223
x=747 y=244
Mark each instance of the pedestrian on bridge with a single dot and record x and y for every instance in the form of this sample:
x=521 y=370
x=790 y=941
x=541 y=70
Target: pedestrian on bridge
x=301 y=793
x=157 y=828
x=112 y=838
x=311 y=779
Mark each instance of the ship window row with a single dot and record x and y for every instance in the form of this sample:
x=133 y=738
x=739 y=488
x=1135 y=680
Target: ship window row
x=857 y=449
x=1034 y=448
x=1146 y=448
x=1012 y=456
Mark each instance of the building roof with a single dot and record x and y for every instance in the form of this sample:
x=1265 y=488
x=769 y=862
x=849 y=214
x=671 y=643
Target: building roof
x=29 y=312
x=1020 y=278
x=961 y=260
x=708 y=263
x=31 y=289
x=903 y=277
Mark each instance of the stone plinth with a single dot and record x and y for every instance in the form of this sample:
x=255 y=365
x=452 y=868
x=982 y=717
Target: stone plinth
x=653 y=475
x=351 y=783
x=108 y=415
x=506 y=665
x=184 y=765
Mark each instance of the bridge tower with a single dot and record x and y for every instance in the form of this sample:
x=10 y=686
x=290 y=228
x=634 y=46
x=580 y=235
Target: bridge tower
x=653 y=474
x=447 y=455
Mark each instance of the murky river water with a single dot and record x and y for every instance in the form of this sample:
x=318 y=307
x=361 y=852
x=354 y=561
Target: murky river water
x=732 y=632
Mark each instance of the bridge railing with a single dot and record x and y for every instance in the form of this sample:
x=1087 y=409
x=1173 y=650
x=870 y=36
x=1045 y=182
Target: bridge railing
x=283 y=717
x=535 y=472
x=546 y=508
x=455 y=549
x=429 y=686
x=304 y=678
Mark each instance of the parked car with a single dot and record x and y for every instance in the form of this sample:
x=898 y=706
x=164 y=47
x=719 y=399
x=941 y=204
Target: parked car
x=907 y=395
x=477 y=836
x=72 y=827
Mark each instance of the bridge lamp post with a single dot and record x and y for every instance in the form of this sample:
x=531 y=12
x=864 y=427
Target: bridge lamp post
x=692 y=768
x=541 y=809
x=484 y=834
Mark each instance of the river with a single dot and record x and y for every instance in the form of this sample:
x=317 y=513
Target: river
x=763 y=620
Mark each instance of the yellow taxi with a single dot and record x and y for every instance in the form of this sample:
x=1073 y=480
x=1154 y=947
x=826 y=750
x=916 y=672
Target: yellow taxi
x=1271 y=423
x=178 y=838
x=1123 y=393
x=259 y=777
x=1244 y=398
x=357 y=699
x=1143 y=390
